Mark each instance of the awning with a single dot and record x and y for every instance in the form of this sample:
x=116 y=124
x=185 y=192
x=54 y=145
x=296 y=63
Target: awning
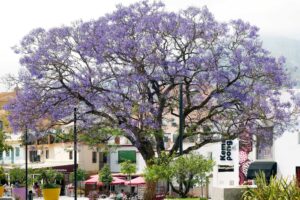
x=268 y=167
x=136 y=181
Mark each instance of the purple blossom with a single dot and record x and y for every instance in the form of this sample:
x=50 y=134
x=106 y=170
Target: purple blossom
x=123 y=70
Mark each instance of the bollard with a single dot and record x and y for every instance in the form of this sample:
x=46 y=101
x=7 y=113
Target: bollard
x=30 y=195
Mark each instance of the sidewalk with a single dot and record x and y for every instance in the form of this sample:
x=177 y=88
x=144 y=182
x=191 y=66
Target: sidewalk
x=60 y=198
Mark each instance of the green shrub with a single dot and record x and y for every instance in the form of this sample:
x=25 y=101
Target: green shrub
x=49 y=177
x=277 y=189
x=17 y=176
x=2 y=176
x=81 y=175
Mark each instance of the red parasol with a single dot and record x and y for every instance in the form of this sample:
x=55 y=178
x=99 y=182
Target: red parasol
x=117 y=181
x=136 y=181
x=95 y=180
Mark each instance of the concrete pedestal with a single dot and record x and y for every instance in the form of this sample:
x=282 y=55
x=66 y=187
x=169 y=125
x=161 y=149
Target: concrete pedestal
x=229 y=193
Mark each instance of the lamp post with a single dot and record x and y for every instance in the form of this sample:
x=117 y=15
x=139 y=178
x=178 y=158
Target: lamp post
x=181 y=119
x=26 y=162
x=181 y=124
x=75 y=154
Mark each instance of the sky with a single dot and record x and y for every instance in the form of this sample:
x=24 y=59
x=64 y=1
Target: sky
x=275 y=18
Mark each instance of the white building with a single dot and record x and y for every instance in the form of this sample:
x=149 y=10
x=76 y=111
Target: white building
x=48 y=153
x=286 y=153
x=16 y=155
x=124 y=152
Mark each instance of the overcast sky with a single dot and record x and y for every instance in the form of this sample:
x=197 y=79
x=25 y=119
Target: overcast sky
x=278 y=18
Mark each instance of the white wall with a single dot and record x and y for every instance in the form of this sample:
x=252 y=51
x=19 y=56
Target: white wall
x=115 y=166
x=85 y=159
x=223 y=179
x=16 y=159
x=286 y=154
x=14 y=140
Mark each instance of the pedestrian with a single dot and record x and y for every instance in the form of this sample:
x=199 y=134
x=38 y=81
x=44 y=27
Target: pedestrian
x=37 y=189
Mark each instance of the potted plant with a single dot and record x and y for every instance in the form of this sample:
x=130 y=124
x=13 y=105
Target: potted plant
x=2 y=181
x=50 y=188
x=18 y=178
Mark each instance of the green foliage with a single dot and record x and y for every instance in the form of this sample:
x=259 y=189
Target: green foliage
x=128 y=168
x=49 y=177
x=186 y=198
x=81 y=175
x=3 y=146
x=17 y=175
x=187 y=169
x=277 y=189
x=61 y=136
x=105 y=175
x=187 y=166
x=2 y=176
x=158 y=168
x=98 y=135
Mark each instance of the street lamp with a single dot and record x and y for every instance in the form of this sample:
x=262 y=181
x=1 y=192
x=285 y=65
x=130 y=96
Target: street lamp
x=75 y=154
x=181 y=124
x=181 y=119
x=26 y=163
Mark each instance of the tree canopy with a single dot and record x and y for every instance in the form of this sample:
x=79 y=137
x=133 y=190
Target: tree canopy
x=128 y=168
x=185 y=171
x=189 y=170
x=3 y=145
x=123 y=71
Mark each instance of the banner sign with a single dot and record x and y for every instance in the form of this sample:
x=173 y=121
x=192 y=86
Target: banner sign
x=226 y=148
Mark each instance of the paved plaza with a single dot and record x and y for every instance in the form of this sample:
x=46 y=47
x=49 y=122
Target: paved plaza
x=40 y=198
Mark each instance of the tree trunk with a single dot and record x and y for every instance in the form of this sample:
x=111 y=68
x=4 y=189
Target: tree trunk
x=150 y=190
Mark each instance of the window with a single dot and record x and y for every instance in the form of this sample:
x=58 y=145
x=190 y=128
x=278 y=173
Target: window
x=7 y=153
x=174 y=124
x=70 y=155
x=166 y=138
x=129 y=155
x=209 y=155
x=164 y=122
x=17 y=151
x=105 y=158
x=94 y=157
x=34 y=157
x=1 y=155
x=47 y=154
x=264 y=144
x=175 y=135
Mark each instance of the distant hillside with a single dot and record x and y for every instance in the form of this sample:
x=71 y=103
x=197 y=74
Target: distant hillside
x=4 y=98
x=288 y=48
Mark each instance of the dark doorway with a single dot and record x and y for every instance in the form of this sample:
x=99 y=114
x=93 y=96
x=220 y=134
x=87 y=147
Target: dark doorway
x=298 y=175
x=101 y=163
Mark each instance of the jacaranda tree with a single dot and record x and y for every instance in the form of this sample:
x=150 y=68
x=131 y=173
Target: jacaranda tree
x=123 y=71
